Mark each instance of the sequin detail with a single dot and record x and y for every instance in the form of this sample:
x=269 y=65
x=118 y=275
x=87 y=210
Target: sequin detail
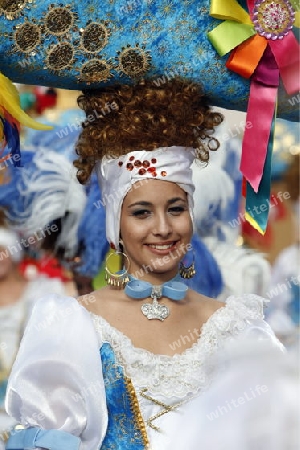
x=273 y=19
x=95 y=70
x=61 y=56
x=62 y=42
x=27 y=37
x=134 y=61
x=59 y=21
x=94 y=37
x=13 y=8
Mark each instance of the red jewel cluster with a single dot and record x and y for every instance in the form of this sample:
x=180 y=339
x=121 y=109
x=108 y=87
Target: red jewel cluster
x=143 y=166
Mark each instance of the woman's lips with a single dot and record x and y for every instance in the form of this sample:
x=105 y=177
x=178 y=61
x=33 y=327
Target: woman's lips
x=162 y=248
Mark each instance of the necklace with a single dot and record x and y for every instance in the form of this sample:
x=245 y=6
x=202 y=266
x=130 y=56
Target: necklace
x=173 y=289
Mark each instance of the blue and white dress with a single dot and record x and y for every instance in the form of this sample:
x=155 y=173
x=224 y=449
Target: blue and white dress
x=79 y=384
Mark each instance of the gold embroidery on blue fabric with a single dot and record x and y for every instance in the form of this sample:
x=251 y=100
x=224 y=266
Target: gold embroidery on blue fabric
x=133 y=61
x=59 y=20
x=95 y=70
x=60 y=56
x=94 y=37
x=26 y=37
x=12 y=9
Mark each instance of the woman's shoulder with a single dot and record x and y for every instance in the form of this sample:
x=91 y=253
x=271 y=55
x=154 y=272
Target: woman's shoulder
x=242 y=303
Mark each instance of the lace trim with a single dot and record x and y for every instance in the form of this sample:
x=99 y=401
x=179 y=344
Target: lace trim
x=183 y=373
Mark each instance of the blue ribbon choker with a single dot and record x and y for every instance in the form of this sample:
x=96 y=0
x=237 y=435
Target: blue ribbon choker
x=173 y=289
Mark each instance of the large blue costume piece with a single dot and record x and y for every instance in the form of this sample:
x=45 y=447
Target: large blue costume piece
x=82 y=45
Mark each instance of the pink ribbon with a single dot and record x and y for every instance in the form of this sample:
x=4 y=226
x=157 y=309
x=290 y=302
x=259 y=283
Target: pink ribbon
x=286 y=53
x=261 y=107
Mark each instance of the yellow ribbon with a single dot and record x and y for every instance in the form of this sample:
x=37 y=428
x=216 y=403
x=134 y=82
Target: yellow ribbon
x=10 y=102
x=229 y=10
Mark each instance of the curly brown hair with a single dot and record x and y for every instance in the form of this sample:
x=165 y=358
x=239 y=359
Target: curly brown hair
x=124 y=118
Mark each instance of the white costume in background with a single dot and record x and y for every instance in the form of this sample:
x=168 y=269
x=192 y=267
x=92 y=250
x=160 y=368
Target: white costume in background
x=60 y=375
x=284 y=286
x=13 y=319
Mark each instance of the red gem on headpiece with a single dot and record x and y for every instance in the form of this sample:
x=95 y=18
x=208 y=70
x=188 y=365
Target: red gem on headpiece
x=154 y=174
x=131 y=158
x=153 y=160
x=129 y=166
x=146 y=164
x=120 y=163
x=137 y=163
x=142 y=171
x=151 y=169
x=163 y=173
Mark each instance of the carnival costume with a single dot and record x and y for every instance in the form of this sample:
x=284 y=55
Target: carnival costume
x=113 y=394
x=93 y=387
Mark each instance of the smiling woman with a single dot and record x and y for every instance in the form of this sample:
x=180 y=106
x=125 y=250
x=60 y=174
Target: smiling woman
x=112 y=376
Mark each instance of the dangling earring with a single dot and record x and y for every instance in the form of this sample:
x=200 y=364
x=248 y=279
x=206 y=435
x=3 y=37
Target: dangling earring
x=119 y=279
x=188 y=271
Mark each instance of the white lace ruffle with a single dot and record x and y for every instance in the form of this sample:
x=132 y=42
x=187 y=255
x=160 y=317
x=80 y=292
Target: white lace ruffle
x=184 y=373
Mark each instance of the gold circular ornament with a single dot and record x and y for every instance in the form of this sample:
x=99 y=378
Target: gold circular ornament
x=133 y=61
x=94 y=37
x=119 y=279
x=95 y=70
x=60 y=56
x=59 y=20
x=12 y=8
x=273 y=19
x=26 y=37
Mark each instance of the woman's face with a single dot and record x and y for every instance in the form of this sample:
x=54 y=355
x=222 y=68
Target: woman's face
x=156 y=228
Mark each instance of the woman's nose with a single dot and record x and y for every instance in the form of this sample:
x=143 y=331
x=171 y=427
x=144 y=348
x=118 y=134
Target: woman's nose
x=162 y=226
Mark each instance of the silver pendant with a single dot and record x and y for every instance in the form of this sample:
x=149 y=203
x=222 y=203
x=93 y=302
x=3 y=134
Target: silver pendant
x=154 y=310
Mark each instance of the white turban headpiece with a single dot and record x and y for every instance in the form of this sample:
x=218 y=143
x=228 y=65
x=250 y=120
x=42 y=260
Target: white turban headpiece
x=117 y=175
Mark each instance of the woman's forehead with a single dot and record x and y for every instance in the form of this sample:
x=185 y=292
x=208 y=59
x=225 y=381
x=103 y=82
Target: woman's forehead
x=154 y=190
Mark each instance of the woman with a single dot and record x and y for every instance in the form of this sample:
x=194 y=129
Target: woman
x=155 y=336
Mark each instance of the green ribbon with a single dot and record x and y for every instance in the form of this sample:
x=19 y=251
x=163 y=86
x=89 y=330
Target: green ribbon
x=229 y=35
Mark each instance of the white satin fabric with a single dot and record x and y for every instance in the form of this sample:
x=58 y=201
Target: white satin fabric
x=116 y=180
x=57 y=380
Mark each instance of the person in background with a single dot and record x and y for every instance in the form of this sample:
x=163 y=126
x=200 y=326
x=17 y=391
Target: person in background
x=284 y=290
x=17 y=297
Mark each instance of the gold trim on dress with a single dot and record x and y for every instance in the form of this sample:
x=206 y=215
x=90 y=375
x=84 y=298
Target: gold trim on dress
x=136 y=411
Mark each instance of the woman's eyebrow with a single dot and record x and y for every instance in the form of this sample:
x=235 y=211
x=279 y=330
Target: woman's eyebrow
x=140 y=203
x=145 y=203
x=176 y=199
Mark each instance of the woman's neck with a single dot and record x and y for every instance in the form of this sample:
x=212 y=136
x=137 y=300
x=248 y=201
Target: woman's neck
x=156 y=279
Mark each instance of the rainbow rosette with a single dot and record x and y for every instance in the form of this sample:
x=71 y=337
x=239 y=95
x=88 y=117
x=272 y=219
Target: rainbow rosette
x=264 y=49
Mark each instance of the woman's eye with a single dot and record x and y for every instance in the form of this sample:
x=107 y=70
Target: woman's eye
x=177 y=209
x=141 y=213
